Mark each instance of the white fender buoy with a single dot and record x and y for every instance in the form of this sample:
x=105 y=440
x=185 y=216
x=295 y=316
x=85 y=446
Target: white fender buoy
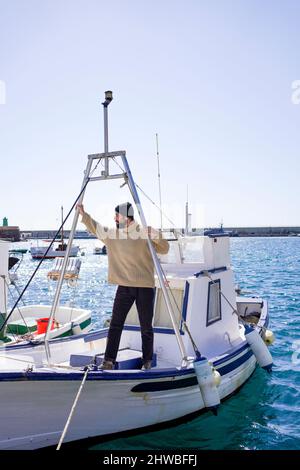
x=76 y=330
x=268 y=337
x=259 y=348
x=217 y=377
x=207 y=383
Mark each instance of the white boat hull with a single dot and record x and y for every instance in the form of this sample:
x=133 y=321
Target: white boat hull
x=33 y=419
x=37 y=396
x=39 y=252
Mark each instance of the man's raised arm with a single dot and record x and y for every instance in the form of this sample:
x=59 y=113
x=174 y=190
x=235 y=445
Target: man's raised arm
x=92 y=225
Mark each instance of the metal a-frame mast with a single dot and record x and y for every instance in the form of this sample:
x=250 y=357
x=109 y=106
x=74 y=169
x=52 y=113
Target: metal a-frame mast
x=106 y=157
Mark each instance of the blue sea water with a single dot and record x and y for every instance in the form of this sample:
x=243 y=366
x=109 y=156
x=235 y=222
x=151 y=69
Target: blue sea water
x=265 y=413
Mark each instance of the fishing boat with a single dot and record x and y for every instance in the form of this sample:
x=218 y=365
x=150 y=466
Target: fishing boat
x=218 y=230
x=207 y=344
x=38 y=252
x=29 y=323
x=43 y=252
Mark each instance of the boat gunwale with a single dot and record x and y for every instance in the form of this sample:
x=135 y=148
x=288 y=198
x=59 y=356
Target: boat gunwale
x=115 y=375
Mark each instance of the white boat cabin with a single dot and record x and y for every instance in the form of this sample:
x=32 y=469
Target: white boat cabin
x=197 y=269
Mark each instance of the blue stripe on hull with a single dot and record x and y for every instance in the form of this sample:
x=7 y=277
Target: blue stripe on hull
x=189 y=381
x=234 y=364
x=231 y=355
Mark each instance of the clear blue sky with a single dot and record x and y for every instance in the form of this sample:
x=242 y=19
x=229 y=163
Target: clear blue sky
x=212 y=78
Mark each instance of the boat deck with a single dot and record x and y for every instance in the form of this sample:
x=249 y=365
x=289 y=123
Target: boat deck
x=127 y=359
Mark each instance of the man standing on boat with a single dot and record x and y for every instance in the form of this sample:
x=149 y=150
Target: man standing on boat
x=131 y=267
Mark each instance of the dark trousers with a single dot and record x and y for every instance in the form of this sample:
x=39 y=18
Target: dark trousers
x=125 y=296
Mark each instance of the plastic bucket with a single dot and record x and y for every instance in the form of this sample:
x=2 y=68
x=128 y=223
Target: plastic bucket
x=42 y=324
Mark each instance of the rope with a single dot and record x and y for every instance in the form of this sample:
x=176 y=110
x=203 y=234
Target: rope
x=12 y=296
x=5 y=302
x=73 y=409
x=8 y=326
x=13 y=283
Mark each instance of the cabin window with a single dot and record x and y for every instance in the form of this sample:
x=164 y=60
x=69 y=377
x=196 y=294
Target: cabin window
x=214 y=302
x=161 y=314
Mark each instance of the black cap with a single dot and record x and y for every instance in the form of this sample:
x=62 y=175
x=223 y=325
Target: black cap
x=125 y=209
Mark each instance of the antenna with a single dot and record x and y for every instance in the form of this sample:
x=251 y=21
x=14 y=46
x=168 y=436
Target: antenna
x=187 y=211
x=188 y=216
x=159 y=186
x=108 y=100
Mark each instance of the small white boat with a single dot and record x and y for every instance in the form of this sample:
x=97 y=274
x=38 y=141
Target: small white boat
x=39 y=252
x=43 y=252
x=29 y=323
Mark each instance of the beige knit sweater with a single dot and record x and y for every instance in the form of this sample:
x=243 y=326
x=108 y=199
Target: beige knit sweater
x=129 y=259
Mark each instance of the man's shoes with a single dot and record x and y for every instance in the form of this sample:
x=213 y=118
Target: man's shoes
x=107 y=365
x=147 y=365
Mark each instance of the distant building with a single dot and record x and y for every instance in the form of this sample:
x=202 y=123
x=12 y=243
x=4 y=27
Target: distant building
x=231 y=231
x=10 y=233
x=49 y=234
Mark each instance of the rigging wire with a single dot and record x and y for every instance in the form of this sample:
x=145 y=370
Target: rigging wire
x=5 y=301
x=20 y=313
x=13 y=283
x=148 y=197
